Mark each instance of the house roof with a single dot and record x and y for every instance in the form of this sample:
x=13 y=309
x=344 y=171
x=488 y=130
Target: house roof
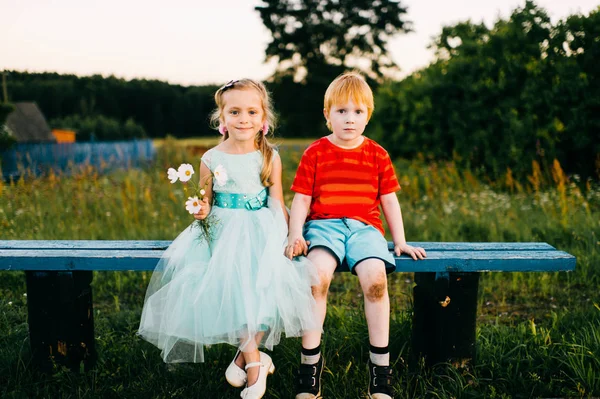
x=28 y=125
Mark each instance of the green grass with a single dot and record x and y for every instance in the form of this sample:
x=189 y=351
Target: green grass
x=538 y=333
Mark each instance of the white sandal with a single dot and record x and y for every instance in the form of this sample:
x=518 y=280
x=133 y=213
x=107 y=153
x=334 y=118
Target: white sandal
x=237 y=377
x=234 y=374
x=258 y=389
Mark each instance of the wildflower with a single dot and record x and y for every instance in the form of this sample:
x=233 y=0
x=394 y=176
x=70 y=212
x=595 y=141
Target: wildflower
x=220 y=175
x=185 y=172
x=172 y=175
x=192 y=205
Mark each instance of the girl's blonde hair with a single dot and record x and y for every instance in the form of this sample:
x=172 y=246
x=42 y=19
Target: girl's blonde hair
x=349 y=86
x=261 y=141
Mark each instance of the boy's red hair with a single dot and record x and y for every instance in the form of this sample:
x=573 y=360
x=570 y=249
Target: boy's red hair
x=350 y=86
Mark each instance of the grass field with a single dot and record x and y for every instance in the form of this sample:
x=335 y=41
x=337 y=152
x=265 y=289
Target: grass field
x=538 y=333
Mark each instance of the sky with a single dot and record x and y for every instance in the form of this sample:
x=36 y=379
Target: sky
x=197 y=42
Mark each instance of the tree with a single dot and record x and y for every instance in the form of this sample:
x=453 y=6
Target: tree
x=499 y=98
x=311 y=37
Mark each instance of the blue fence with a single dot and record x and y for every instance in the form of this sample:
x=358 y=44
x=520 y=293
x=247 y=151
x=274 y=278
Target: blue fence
x=65 y=157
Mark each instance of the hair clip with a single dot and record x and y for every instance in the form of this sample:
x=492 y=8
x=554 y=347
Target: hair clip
x=228 y=85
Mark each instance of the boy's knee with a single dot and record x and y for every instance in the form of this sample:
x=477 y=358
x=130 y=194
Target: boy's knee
x=376 y=291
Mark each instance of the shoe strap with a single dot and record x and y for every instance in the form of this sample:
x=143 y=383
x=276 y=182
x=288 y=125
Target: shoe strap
x=253 y=364
x=309 y=370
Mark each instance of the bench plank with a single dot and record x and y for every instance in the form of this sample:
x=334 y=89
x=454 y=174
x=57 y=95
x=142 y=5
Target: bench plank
x=145 y=259
x=84 y=244
x=163 y=244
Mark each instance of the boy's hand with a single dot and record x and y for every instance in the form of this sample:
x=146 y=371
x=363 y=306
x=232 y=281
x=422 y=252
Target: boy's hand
x=204 y=211
x=413 y=252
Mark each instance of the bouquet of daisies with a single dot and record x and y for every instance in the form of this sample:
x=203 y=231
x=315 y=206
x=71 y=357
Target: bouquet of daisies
x=194 y=202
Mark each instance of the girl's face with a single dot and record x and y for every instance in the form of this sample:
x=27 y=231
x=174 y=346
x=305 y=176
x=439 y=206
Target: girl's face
x=242 y=113
x=348 y=122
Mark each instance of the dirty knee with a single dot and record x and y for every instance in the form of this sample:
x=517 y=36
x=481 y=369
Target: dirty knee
x=376 y=291
x=320 y=291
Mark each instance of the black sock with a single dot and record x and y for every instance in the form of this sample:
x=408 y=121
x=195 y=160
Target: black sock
x=377 y=350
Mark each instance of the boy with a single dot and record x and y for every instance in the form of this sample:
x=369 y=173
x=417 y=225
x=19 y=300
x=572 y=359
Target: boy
x=342 y=179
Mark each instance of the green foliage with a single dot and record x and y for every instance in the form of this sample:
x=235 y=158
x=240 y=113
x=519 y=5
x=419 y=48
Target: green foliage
x=503 y=97
x=101 y=128
x=6 y=140
x=5 y=110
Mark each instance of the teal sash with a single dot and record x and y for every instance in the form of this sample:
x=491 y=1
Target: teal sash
x=241 y=201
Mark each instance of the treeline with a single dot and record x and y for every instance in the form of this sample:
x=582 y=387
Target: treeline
x=500 y=98
x=159 y=107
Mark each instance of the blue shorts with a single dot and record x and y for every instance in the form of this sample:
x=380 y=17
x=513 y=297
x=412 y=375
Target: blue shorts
x=350 y=241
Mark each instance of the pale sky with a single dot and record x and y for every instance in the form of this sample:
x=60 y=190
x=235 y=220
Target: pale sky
x=195 y=42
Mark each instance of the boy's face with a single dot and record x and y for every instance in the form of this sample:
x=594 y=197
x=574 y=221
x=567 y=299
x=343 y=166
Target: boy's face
x=348 y=122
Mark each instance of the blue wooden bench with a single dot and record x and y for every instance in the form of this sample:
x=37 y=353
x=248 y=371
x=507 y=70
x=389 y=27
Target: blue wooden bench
x=60 y=308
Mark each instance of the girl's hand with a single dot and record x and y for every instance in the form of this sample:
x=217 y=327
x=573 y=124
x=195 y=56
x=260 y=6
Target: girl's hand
x=204 y=211
x=413 y=252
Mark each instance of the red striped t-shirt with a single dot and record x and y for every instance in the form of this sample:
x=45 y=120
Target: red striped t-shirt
x=346 y=182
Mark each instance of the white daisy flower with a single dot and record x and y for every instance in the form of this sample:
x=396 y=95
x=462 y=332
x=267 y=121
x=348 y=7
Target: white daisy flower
x=202 y=192
x=192 y=205
x=185 y=172
x=172 y=175
x=220 y=175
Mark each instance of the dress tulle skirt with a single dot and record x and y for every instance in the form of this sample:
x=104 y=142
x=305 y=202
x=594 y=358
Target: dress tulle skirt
x=230 y=289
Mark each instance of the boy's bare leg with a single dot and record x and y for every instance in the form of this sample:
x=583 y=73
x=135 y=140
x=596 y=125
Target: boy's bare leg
x=373 y=281
x=325 y=263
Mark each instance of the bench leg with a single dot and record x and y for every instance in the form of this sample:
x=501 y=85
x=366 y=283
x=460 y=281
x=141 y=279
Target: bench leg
x=61 y=319
x=444 y=319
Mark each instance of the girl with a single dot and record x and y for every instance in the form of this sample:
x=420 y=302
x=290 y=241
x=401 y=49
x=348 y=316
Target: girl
x=236 y=286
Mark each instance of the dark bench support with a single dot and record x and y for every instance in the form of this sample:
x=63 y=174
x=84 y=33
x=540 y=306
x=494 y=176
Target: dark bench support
x=444 y=318
x=61 y=319
x=61 y=322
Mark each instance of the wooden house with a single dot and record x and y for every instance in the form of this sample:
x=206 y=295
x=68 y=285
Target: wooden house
x=27 y=124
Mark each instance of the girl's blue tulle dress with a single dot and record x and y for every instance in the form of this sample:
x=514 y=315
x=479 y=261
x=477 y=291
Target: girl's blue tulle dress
x=238 y=284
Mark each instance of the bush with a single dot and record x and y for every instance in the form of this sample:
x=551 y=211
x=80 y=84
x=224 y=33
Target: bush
x=6 y=140
x=100 y=127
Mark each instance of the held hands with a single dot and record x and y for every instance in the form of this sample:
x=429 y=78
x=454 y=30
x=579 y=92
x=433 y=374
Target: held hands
x=299 y=247
x=413 y=252
x=204 y=210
